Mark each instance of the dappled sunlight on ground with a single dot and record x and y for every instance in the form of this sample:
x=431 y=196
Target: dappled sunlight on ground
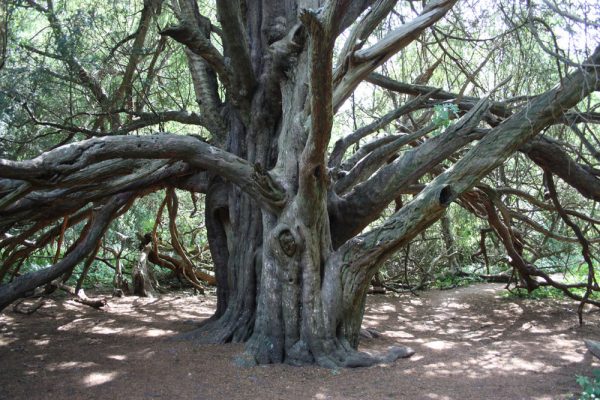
x=475 y=334
x=98 y=378
x=439 y=345
x=471 y=343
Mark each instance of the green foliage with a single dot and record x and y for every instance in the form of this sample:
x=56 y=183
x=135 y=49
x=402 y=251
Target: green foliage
x=544 y=292
x=98 y=276
x=443 y=114
x=538 y=294
x=449 y=281
x=590 y=386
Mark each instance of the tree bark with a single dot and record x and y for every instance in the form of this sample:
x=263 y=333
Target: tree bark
x=449 y=244
x=140 y=277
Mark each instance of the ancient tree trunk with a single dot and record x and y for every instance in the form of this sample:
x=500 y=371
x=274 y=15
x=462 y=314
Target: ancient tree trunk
x=284 y=283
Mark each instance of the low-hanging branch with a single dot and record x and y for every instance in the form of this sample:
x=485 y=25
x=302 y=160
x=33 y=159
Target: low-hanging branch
x=498 y=144
x=14 y=255
x=592 y=284
x=57 y=165
x=544 y=205
x=97 y=226
x=47 y=202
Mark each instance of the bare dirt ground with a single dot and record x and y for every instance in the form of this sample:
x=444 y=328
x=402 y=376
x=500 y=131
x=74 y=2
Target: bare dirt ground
x=471 y=343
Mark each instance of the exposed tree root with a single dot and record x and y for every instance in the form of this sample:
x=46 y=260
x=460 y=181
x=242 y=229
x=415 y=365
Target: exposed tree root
x=76 y=295
x=20 y=308
x=369 y=333
x=593 y=347
x=332 y=353
x=222 y=330
x=377 y=290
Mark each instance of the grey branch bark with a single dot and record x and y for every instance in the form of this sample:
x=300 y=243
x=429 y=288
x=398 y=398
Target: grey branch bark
x=365 y=61
x=369 y=249
x=551 y=156
x=21 y=285
x=342 y=145
x=59 y=164
x=235 y=41
x=366 y=201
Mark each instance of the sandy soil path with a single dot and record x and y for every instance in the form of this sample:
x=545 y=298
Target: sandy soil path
x=471 y=343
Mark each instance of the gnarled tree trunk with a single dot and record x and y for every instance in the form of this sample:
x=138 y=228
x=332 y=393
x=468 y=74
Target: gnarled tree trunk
x=285 y=284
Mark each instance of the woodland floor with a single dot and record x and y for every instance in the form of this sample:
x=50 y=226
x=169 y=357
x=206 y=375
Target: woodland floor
x=471 y=343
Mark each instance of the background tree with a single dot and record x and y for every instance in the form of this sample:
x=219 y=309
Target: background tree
x=257 y=99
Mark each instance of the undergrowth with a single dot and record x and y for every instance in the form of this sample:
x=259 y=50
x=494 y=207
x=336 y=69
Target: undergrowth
x=590 y=386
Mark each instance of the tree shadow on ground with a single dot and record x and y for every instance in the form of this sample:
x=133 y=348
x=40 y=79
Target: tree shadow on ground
x=470 y=343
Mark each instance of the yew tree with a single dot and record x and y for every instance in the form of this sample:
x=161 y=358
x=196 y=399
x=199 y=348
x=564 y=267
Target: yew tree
x=294 y=198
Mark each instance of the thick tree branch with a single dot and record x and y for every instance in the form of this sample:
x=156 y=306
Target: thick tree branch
x=549 y=155
x=362 y=62
x=321 y=28
x=194 y=39
x=365 y=253
x=344 y=211
x=124 y=91
x=367 y=200
x=96 y=182
x=364 y=150
x=353 y=10
x=196 y=183
x=370 y=249
x=46 y=206
x=59 y=164
x=207 y=95
x=361 y=32
x=374 y=160
x=235 y=41
x=342 y=145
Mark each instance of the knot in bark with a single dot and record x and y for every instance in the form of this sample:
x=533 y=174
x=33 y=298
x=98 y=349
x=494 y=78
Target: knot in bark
x=287 y=242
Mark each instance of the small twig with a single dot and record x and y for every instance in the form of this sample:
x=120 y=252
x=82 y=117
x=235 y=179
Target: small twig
x=61 y=238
